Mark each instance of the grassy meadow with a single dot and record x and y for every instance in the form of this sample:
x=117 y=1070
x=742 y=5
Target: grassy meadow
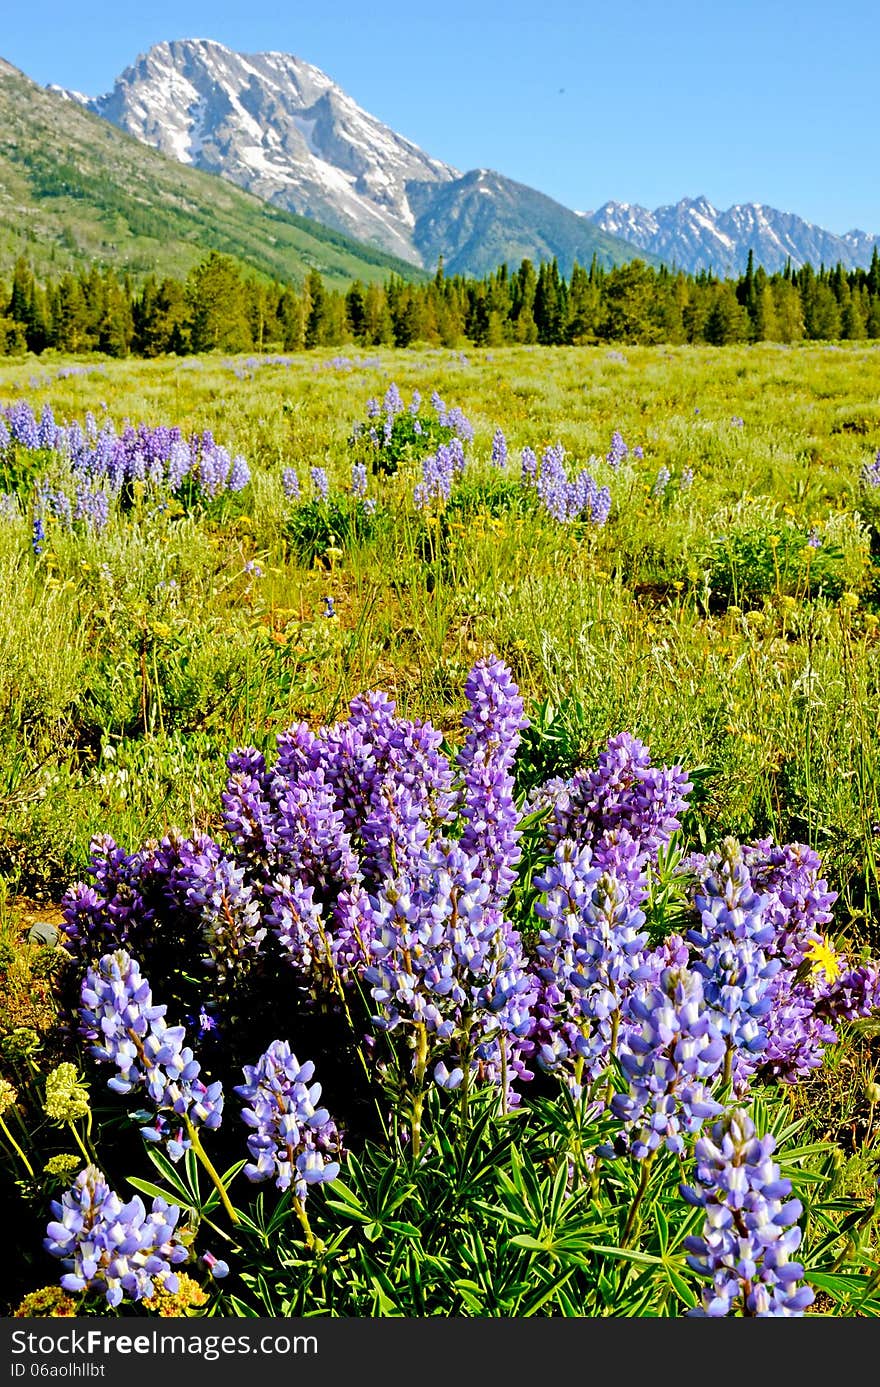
x=133 y=661
x=728 y=613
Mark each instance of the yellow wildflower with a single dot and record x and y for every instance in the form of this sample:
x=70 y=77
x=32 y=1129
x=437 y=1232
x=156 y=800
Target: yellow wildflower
x=48 y=1301
x=188 y=1296
x=824 y=958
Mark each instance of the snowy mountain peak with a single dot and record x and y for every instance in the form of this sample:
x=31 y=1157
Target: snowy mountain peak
x=693 y=235
x=279 y=127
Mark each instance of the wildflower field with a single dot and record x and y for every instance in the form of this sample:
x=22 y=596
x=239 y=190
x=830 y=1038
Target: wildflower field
x=440 y=833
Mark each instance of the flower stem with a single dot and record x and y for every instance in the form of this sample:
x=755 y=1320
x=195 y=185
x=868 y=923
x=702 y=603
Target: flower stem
x=202 y=1155
x=312 y=1243
x=89 y=1155
x=29 y=1168
x=640 y=1194
x=418 y=1101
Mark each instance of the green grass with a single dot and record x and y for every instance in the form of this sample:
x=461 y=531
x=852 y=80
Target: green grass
x=694 y=621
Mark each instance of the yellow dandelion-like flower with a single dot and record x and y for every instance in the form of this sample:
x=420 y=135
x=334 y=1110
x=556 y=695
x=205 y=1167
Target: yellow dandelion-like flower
x=824 y=959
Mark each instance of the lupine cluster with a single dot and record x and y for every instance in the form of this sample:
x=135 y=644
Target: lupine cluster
x=115 y=1248
x=439 y=471
x=391 y=427
x=375 y=865
x=619 y=451
x=95 y=455
x=89 y=466
x=292 y=1139
x=567 y=500
x=750 y=1230
x=127 y=1030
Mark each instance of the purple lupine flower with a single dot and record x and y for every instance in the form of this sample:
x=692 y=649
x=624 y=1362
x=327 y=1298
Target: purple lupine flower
x=618 y=450
x=589 y=957
x=310 y=837
x=217 y=1268
x=671 y=1053
x=686 y=480
x=47 y=432
x=230 y=919
x=437 y=476
x=601 y=506
x=529 y=468
x=552 y=483
x=750 y=1229
x=499 y=449
x=391 y=781
x=625 y=791
x=392 y=403
x=320 y=482
x=23 y=426
x=292 y=1140
x=457 y=421
x=661 y=482
x=442 y=957
x=239 y=474
x=38 y=535
x=298 y=922
x=493 y=723
x=118 y=1249
x=732 y=940
x=290 y=482
x=358 y=479
x=127 y=1030
x=108 y=912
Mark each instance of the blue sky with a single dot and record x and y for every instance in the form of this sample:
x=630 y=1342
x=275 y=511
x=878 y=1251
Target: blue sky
x=645 y=102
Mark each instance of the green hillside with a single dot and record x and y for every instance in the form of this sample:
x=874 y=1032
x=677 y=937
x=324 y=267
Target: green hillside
x=75 y=190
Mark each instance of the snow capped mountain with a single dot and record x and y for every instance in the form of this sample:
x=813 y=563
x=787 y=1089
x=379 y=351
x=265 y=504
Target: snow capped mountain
x=280 y=128
x=285 y=131
x=694 y=235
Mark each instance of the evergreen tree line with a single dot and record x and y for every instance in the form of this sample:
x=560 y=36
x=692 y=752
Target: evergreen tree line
x=218 y=308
